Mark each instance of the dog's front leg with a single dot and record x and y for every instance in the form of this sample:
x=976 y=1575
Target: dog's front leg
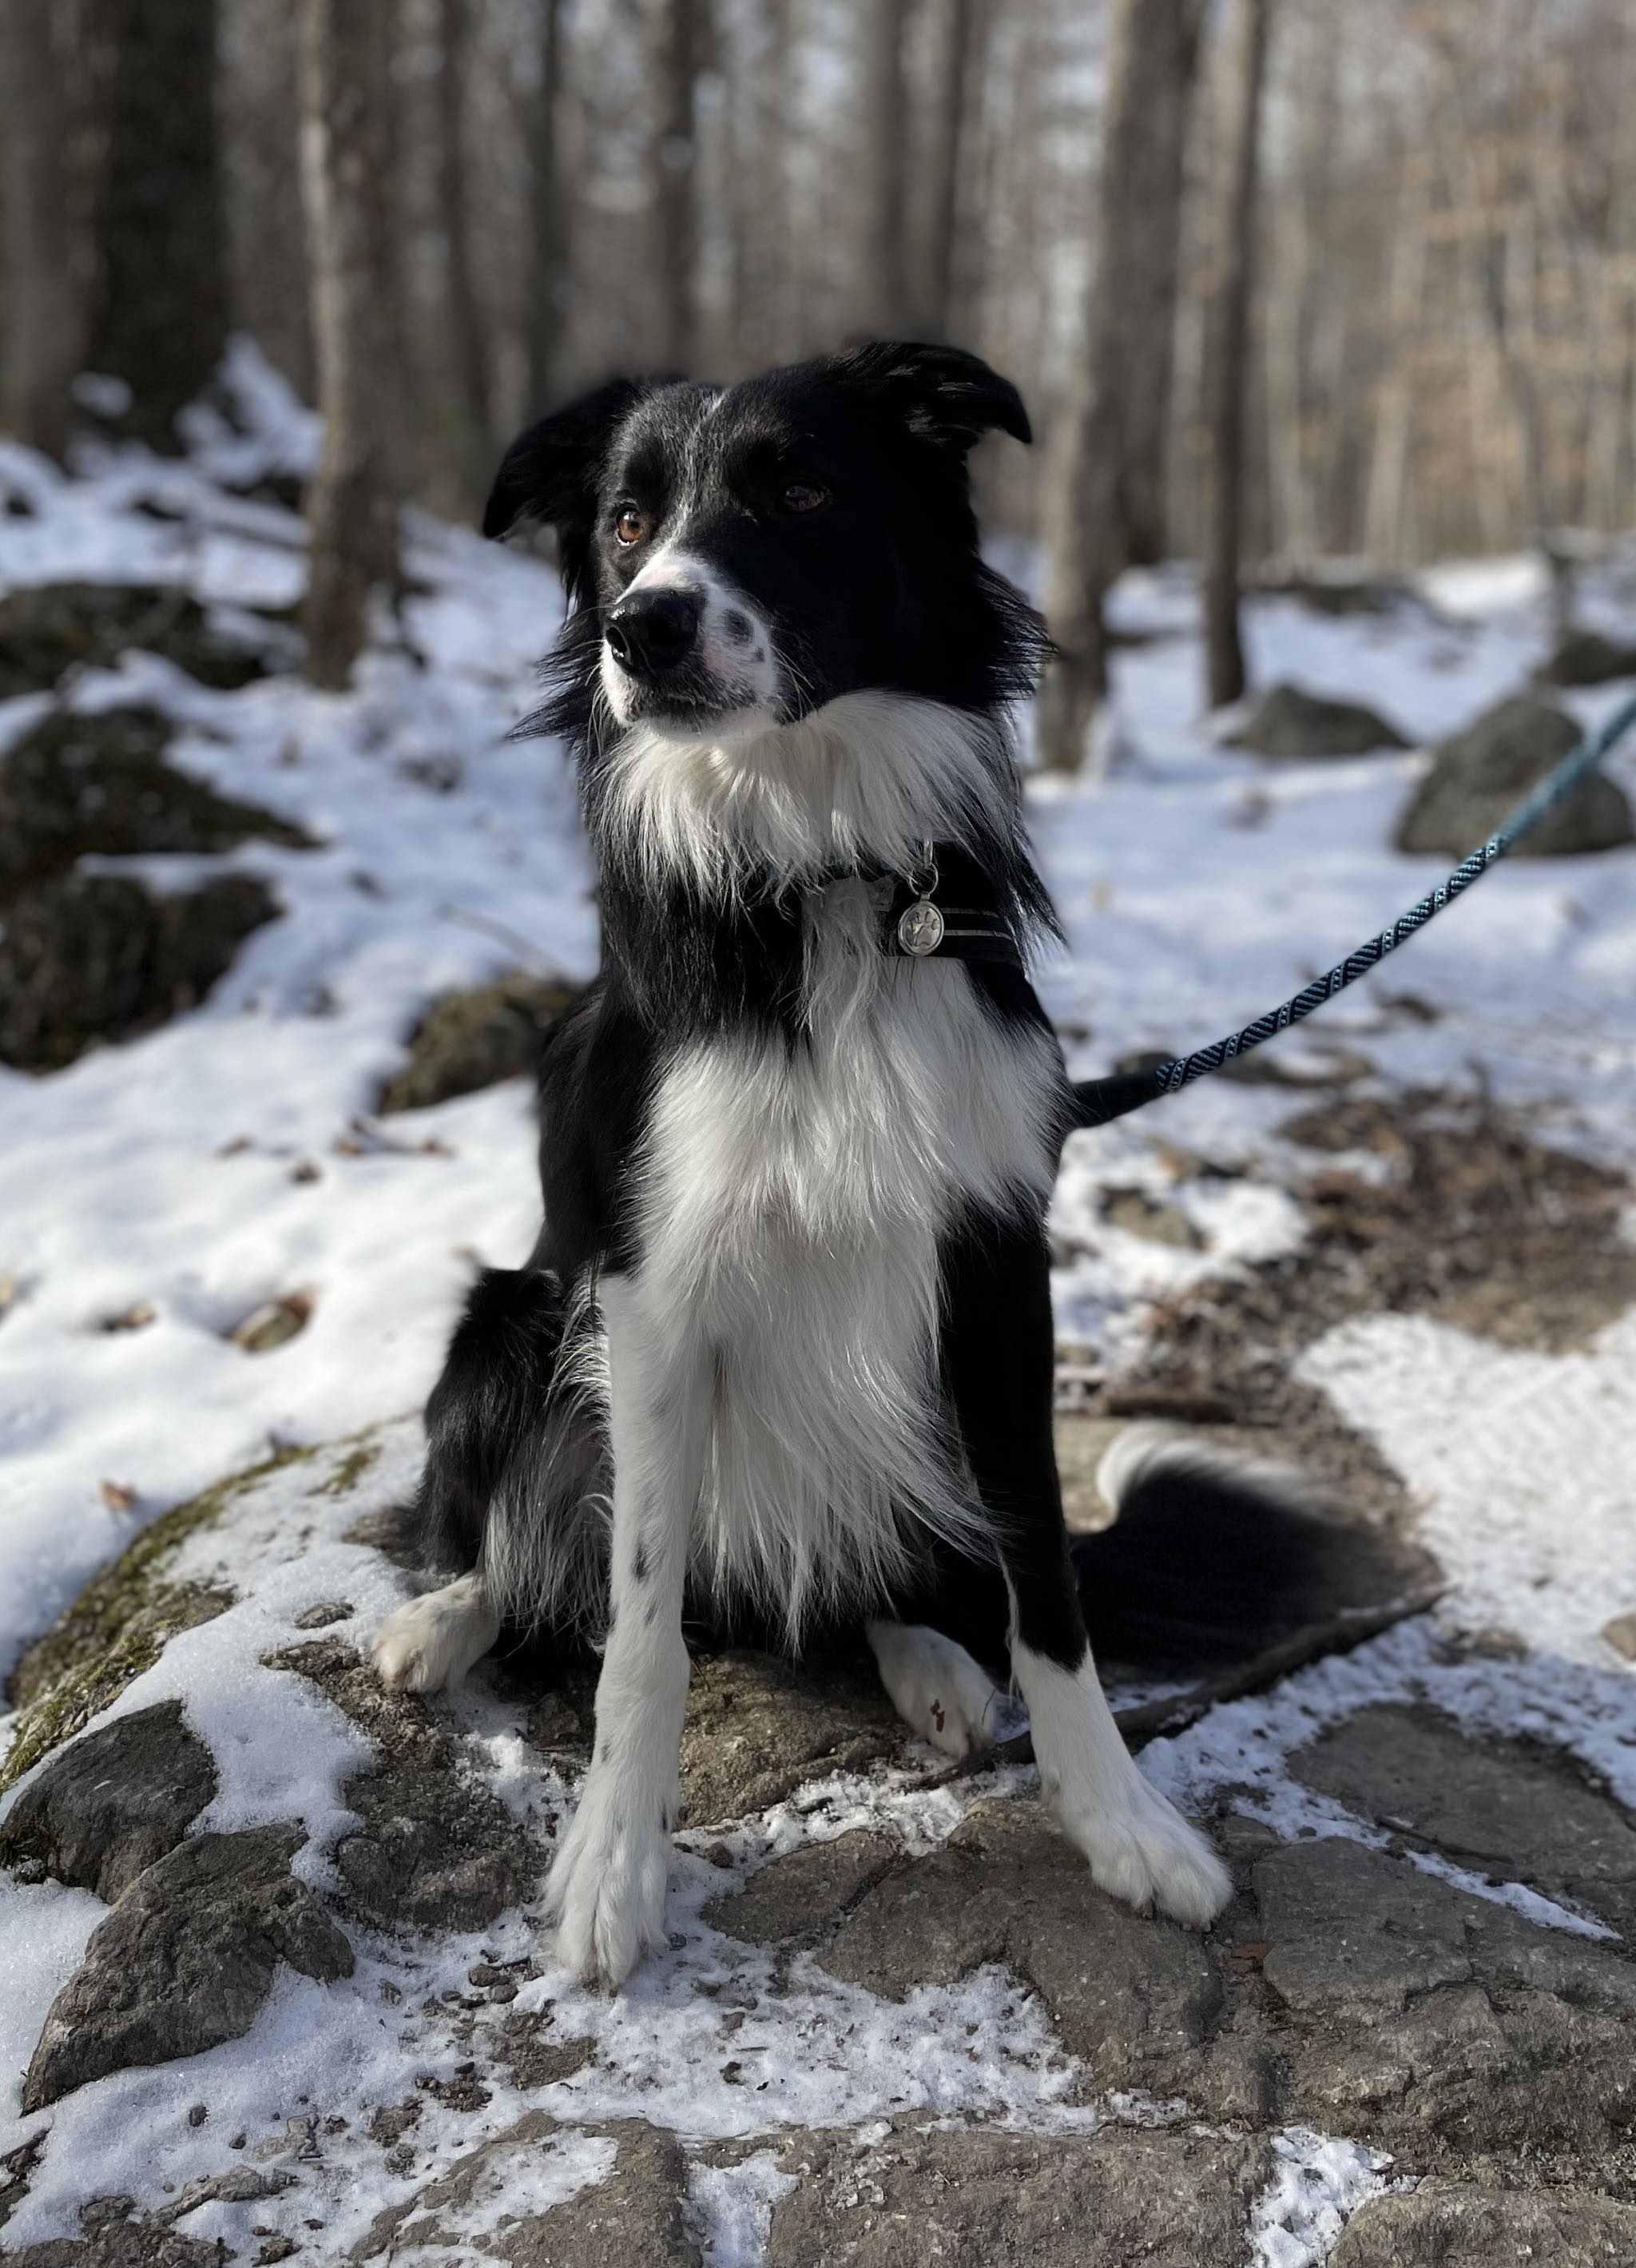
x=607 y=1890
x=998 y=1354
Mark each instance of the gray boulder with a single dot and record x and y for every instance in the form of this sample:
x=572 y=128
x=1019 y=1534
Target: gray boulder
x=186 y=1960
x=1476 y=776
x=1587 y=657
x=1288 y=722
x=107 y=1807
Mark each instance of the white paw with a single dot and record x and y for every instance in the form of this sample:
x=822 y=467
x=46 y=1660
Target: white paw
x=428 y=1645
x=1142 y=1850
x=606 y=1893
x=936 y=1687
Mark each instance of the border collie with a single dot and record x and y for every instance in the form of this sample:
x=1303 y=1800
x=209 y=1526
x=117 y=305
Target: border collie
x=782 y=1355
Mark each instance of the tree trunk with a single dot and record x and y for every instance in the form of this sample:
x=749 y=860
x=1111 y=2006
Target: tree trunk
x=882 y=110
x=1151 y=161
x=42 y=330
x=346 y=143
x=939 y=318
x=678 y=30
x=549 y=248
x=470 y=342
x=1106 y=482
x=1230 y=354
x=159 y=317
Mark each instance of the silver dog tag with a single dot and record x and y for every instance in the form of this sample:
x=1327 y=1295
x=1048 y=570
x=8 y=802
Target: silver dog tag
x=920 y=928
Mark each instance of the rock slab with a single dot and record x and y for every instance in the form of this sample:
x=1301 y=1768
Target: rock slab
x=977 y=2199
x=1446 y=2225
x=109 y=1805
x=186 y=1960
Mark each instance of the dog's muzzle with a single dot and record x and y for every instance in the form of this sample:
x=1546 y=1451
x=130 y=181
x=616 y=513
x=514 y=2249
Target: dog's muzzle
x=654 y=634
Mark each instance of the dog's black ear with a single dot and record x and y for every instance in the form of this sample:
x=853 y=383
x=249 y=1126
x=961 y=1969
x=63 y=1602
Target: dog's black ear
x=942 y=394
x=549 y=472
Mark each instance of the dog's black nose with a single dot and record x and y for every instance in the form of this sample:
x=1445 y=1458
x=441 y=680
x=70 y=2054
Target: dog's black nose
x=652 y=632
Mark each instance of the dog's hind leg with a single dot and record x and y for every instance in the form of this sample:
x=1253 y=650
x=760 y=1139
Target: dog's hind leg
x=606 y=1889
x=999 y=1345
x=936 y=1687
x=428 y=1645
x=486 y=1416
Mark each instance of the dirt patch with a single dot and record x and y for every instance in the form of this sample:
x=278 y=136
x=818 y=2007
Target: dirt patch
x=1464 y=1217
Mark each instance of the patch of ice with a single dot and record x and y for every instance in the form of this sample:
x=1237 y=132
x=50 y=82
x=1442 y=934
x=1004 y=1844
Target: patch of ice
x=1317 y=2184
x=730 y=2209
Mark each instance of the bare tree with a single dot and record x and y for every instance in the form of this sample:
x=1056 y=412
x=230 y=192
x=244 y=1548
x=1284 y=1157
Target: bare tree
x=1229 y=355
x=346 y=143
x=158 y=317
x=550 y=250
x=945 y=171
x=1152 y=154
x=678 y=34
x=41 y=331
x=1105 y=493
x=882 y=108
x=469 y=338
x=762 y=217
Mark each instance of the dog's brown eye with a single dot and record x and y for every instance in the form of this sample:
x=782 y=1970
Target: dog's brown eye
x=804 y=495
x=630 y=526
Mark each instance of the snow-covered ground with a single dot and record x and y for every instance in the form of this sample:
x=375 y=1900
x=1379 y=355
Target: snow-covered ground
x=231 y=1158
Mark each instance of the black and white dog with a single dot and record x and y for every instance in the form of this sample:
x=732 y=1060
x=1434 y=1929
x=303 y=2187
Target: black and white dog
x=784 y=1350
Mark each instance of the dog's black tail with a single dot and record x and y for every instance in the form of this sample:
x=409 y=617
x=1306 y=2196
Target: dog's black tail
x=487 y=1409
x=1213 y=1557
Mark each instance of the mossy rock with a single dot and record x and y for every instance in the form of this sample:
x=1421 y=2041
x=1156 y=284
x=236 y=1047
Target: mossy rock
x=49 y=629
x=100 y=784
x=473 y=1040
x=95 y=957
x=118 y=1627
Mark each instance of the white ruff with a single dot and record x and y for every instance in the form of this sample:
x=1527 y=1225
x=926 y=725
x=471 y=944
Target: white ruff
x=793 y=1199
x=868 y=776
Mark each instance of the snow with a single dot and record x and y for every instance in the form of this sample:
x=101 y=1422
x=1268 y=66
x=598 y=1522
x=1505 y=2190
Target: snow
x=1532 y=1544
x=233 y=1157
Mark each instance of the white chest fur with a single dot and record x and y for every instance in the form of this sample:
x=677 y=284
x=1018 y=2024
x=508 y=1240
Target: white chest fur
x=793 y=1201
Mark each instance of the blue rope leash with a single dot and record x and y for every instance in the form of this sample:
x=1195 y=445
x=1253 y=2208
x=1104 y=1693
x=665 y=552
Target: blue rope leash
x=1102 y=1100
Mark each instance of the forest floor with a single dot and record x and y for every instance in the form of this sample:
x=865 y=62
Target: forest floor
x=269 y=1953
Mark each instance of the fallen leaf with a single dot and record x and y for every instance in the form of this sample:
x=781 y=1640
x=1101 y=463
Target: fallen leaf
x=273 y=1323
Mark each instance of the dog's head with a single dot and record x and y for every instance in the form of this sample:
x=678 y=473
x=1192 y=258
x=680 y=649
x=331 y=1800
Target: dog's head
x=738 y=558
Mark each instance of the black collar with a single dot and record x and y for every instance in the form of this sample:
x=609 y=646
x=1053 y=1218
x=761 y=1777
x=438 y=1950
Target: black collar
x=921 y=925
x=946 y=910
